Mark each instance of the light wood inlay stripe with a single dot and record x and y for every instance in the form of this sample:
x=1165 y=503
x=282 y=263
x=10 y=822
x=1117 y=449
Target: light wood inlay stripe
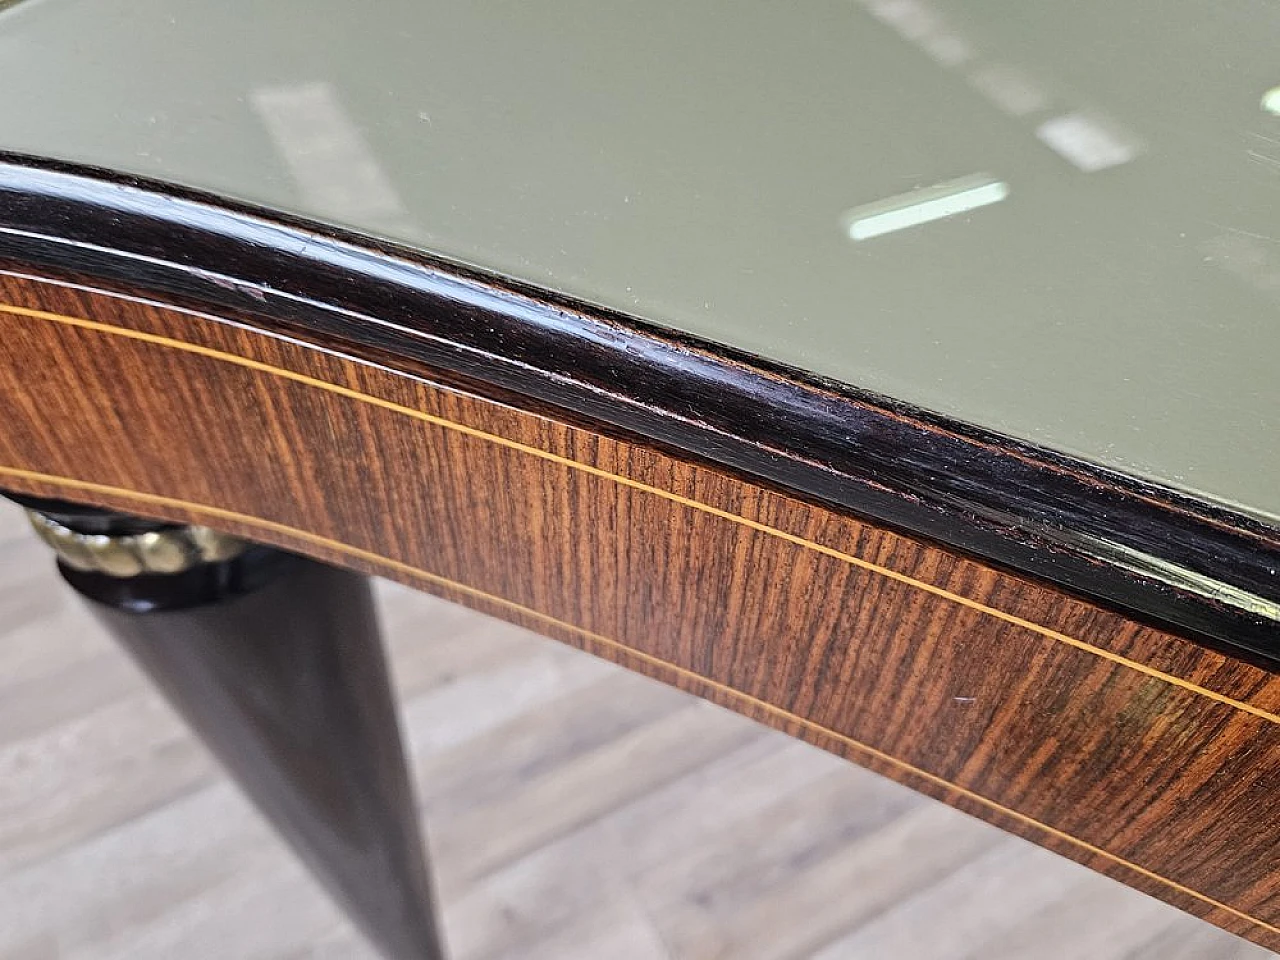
x=412 y=572
x=445 y=423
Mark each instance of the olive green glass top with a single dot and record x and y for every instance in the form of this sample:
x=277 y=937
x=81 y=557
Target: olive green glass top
x=1059 y=221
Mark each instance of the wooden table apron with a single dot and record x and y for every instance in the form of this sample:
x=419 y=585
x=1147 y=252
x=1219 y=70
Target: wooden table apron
x=1136 y=752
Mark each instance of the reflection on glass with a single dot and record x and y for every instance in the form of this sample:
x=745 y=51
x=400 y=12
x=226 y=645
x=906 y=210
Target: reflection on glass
x=922 y=206
x=696 y=167
x=331 y=162
x=1088 y=142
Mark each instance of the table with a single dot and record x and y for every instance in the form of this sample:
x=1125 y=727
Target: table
x=898 y=374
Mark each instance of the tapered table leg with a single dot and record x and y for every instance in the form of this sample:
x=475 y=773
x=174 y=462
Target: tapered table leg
x=276 y=662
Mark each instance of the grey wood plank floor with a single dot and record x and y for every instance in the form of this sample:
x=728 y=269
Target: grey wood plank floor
x=575 y=811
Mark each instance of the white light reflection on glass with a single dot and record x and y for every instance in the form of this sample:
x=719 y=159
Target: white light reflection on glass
x=1087 y=142
x=923 y=206
x=332 y=163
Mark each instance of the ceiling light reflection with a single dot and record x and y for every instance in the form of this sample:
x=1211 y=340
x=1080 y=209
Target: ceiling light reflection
x=923 y=206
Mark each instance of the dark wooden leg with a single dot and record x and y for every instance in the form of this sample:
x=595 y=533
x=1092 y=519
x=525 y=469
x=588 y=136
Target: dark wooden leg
x=276 y=662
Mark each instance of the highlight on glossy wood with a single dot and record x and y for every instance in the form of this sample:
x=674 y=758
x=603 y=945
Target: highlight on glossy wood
x=1140 y=753
x=286 y=683
x=1207 y=569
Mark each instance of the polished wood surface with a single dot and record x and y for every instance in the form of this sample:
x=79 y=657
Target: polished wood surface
x=576 y=811
x=276 y=662
x=1139 y=753
x=1203 y=568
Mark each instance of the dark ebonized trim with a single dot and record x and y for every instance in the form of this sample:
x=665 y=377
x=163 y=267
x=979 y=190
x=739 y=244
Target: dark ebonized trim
x=1196 y=567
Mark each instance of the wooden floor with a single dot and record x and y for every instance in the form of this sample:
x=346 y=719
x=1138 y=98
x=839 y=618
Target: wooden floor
x=575 y=812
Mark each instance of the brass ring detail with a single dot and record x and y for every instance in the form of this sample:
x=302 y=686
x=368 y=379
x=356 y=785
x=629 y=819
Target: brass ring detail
x=173 y=550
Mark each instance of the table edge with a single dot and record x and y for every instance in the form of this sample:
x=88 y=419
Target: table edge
x=1159 y=554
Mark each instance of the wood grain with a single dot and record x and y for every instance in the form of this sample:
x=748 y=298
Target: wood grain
x=1205 y=569
x=577 y=812
x=1139 y=753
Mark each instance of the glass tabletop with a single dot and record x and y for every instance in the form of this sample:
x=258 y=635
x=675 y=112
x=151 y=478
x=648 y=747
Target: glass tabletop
x=1060 y=222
